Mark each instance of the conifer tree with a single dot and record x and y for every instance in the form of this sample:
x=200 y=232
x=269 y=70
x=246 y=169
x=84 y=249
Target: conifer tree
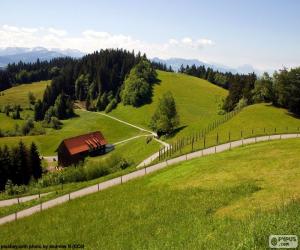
x=35 y=161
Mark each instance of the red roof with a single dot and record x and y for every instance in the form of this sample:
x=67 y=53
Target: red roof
x=83 y=143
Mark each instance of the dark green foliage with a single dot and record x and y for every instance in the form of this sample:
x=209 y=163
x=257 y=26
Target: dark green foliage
x=31 y=98
x=6 y=109
x=138 y=85
x=19 y=164
x=263 y=89
x=35 y=162
x=287 y=89
x=27 y=126
x=16 y=114
x=49 y=114
x=4 y=166
x=86 y=172
x=102 y=101
x=165 y=118
x=136 y=91
x=38 y=111
x=81 y=87
x=112 y=105
x=161 y=66
x=93 y=75
x=54 y=123
x=63 y=107
x=31 y=72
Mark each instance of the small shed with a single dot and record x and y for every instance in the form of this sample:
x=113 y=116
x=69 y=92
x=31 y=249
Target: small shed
x=73 y=150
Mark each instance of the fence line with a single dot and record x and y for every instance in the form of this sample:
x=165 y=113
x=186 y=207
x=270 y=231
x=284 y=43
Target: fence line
x=201 y=140
x=139 y=173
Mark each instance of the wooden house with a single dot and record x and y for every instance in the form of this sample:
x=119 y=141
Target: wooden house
x=75 y=149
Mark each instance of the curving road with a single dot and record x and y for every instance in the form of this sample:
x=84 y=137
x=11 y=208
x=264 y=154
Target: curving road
x=139 y=173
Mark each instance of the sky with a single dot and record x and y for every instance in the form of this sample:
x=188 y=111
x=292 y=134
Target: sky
x=261 y=33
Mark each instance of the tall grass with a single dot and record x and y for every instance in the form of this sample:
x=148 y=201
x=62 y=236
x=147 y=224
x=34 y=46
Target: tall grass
x=85 y=172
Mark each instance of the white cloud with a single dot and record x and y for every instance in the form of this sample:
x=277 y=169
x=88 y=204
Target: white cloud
x=91 y=40
x=57 y=32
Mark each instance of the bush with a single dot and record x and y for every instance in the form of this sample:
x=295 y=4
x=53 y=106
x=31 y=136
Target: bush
x=27 y=127
x=12 y=189
x=90 y=171
x=112 y=105
x=241 y=104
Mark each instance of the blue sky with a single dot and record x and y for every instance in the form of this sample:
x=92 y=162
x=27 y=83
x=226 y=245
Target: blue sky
x=262 y=33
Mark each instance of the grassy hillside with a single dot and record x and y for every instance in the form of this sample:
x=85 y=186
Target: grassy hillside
x=230 y=200
x=85 y=122
x=197 y=102
x=19 y=94
x=257 y=119
x=135 y=151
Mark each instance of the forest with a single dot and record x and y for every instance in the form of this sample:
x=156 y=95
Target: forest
x=19 y=165
x=282 y=89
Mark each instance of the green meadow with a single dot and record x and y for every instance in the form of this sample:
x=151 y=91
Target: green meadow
x=231 y=200
x=134 y=151
x=254 y=120
x=84 y=122
x=19 y=95
x=198 y=102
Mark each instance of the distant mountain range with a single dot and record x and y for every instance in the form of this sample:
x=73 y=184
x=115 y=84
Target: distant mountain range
x=175 y=63
x=16 y=54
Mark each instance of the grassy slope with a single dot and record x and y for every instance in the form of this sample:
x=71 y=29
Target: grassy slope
x=85 y=122
x=19 y=94
x=135 y=151
x=260 y=118
x=203 y=203
x=197 y=102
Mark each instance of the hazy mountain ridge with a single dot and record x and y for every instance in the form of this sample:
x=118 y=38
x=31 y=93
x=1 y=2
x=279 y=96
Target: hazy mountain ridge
x=175 y=63
x=16 y=54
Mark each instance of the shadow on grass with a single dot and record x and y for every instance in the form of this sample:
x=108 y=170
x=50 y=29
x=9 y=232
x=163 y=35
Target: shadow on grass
x=175 y=132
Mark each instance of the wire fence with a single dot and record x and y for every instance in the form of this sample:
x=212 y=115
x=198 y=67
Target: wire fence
x=203 y=140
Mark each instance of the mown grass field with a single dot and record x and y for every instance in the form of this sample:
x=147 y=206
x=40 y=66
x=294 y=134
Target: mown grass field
x=85 y=122
x=19 y=94
x=232 y=200
x=197 y=102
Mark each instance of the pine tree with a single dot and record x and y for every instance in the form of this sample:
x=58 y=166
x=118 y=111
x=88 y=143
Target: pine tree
x=35 y=161
x=25 y=170
x=38 y=111
x=5 y=164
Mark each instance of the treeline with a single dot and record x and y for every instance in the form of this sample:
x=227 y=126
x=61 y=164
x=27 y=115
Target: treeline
x=239 y=85
x=98 y=80
x=282 y=89
x=18 y=73
x=161 y=66
x=18 y=165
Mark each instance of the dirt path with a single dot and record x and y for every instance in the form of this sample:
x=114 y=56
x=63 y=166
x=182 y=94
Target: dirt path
x=127 y=123
x=140 y=173
x=129 y=139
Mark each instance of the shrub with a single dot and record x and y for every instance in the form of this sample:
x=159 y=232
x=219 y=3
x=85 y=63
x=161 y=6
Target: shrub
x=89 y=171
x=12 y=189
x=27 y=127
x=112 y=105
